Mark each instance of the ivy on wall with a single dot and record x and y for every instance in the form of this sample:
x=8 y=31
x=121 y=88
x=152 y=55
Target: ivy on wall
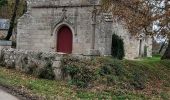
x=117 y=49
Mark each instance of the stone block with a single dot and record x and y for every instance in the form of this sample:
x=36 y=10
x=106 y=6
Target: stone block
x=57 y=70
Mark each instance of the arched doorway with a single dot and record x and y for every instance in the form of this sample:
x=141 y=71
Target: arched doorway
x=64 y=40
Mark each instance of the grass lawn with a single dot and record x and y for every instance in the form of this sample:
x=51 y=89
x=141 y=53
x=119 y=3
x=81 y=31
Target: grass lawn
x=157 y=85
x=152 y=59
x=53 y=89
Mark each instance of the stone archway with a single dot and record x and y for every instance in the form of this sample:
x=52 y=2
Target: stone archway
x=64 y=40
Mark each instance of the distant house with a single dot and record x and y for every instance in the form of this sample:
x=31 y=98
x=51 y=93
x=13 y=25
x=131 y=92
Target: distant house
x=4 y=26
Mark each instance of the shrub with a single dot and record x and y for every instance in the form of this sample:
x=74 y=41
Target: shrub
x=139 y=80
x=104 y=70
x=81 y=74
x=111 y=79
x=1 y=58
x=145 y=51
x=86 y=71
x=46 y=72
x=117 y=49
x=113 y=67
x=112 y=70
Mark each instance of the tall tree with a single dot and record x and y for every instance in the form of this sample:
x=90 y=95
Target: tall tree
x=12 y=22
x=148 y=16
x=3 y=2
x=8 y=7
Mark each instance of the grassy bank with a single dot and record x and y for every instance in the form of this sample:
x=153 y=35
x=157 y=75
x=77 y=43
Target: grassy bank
x=133 y=80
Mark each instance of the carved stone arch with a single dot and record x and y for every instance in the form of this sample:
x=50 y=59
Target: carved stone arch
x=57 y=29
x=58 y=25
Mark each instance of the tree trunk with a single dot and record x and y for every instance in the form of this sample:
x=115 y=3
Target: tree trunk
x=167 y=52
x=12 y=22
x=162 y=46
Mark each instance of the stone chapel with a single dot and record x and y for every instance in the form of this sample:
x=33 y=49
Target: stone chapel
x=75 y=27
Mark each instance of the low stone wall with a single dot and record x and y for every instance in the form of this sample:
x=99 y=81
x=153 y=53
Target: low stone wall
x=32 y=62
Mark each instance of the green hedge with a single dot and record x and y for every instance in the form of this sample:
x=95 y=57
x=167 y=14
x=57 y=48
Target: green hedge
x=107 y=71
x=117 y=47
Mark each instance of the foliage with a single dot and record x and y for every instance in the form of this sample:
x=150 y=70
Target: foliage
x=80 y=72
x=139 y=80
x=1 y=58
x=46 y=72
x=6 y=10
x=112 y=67
x=154 y=72
x=13 y=9
x=145 y=51
x=139 y=16
x=106 y=71
x=117 y=47
x=3 y=2
x=111 y=71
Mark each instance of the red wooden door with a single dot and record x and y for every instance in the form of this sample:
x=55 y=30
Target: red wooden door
x=64 y=40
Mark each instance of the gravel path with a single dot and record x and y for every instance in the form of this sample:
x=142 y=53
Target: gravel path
x=6 y=96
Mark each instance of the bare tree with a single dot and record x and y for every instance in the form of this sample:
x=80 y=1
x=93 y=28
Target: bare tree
x=12 y=22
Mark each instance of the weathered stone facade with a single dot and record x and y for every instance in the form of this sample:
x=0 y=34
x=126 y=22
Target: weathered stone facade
x=135 y=46
x=38 y=28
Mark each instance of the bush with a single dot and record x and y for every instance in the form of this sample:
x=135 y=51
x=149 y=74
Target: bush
x=47 y=71
x=85 y=71
x=112 y=67
x=112 y=70
x=39 y=67
x=111 y=79
x=105 y=71
x=145 y=51
x=139 y=80
x=1 y=58
x=117 y=49
x=81 y=74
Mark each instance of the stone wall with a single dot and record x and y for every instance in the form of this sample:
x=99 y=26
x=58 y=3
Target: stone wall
x=38 y=3
x=5 y=45
x=32 y=62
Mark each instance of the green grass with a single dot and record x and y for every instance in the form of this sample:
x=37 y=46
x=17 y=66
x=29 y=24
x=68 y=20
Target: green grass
x=54 y=89
x=156 y=71
x=43 y=87
x=155 y=58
